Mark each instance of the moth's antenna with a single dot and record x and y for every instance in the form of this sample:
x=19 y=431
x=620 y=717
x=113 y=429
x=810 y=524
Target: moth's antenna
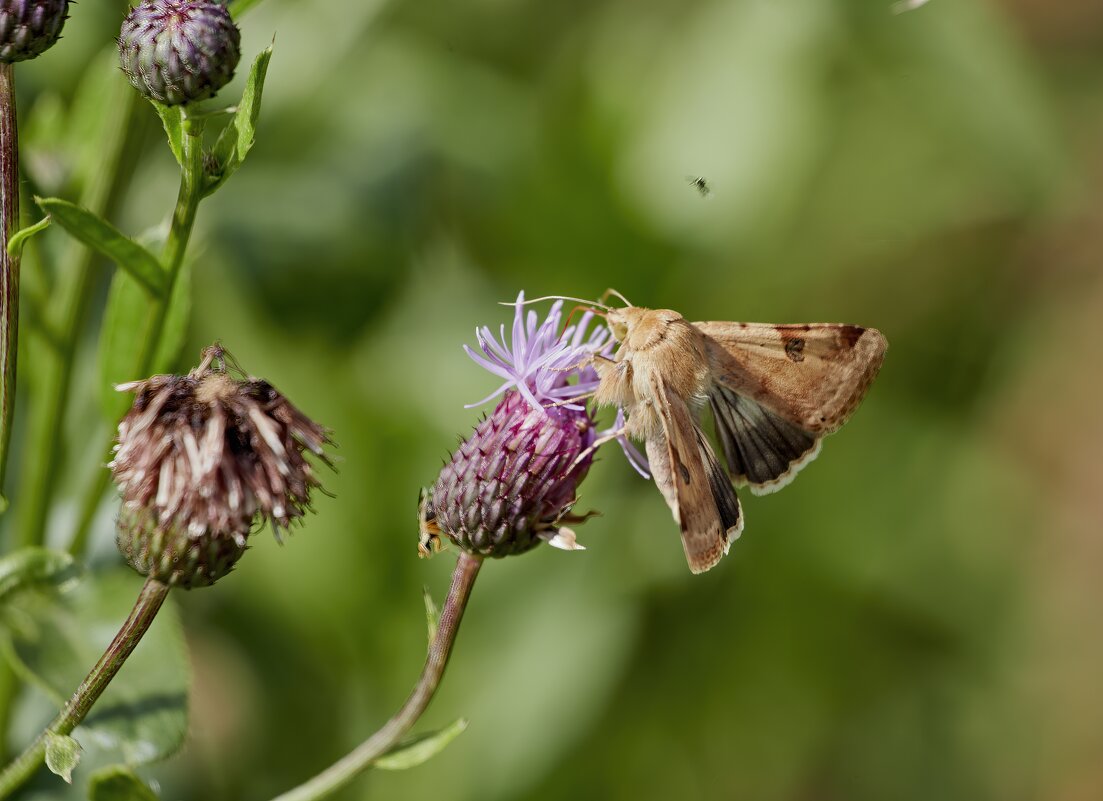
x=611 y=291
x=570 y=316
x=556 y=297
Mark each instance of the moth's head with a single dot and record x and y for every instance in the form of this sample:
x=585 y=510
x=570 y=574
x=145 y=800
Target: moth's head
x=639 y=327
x=617 y=321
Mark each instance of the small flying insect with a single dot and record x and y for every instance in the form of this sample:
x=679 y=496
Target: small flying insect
x=700 y=184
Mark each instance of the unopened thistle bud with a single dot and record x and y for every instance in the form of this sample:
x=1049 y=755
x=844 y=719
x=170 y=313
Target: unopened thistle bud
x=28 y=28
x=179 y=51
x=513 y=483
x=202 y=459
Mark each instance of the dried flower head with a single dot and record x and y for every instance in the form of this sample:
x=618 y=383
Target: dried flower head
x=512 y=483
x=28 y=28
x=179 y=51
x=200 y=460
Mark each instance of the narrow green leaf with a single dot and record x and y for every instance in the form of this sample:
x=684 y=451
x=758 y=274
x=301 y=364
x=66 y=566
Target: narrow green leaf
x=62 y=755
x=33 y=565
x=118 y=783
x=237 y=138
x=432 y=614
x=15 y=244
x=54 y=637
x=172 y=117
x=127 y=326
x=416 y=750
x=107 y=240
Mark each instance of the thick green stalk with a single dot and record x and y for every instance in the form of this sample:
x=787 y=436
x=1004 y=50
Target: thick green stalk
x=343 y=771
x=149 y=601
x=9 y=265
x=183 y=220
x=172 y=257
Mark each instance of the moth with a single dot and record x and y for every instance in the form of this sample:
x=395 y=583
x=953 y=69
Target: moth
x=775 y=391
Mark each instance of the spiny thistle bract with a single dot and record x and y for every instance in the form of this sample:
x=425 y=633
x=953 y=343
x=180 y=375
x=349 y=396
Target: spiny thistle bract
x=179 y=51
x=28 y=28
x=200 y=460
x=512 y=484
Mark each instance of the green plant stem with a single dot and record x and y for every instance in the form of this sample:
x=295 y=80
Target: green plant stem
x=183 y=220
x=145 y=609
x=9 y=322
x=9 y=688
x=9 y=265
x=74 y=299
x=172 y=257
x=347 y=768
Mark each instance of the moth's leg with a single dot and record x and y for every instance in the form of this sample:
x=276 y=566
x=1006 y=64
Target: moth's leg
x=589 y=361
x=612 y=435
x=566 y=401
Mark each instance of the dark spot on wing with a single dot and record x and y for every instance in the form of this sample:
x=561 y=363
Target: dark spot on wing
x=794 y=349
x=850 y=334
x=684 y=472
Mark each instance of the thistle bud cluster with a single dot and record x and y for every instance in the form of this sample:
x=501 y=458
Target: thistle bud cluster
x=202 y=459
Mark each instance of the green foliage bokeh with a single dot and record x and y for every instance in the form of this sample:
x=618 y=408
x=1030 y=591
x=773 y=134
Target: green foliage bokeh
x=914 y=618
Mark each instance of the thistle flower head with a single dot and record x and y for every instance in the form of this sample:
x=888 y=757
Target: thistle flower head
x=200 y=459
x=179 y=51
x=28 y=28
x=512 y=483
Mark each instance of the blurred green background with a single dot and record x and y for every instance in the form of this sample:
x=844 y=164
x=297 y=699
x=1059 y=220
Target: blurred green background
x=917 y=617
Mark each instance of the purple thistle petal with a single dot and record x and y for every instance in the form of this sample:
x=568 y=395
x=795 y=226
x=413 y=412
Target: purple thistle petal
x=491 y=396
x=548 y=367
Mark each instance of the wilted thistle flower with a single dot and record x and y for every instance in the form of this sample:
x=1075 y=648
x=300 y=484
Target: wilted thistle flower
x=28 y=28
x=179 y=51
x=201 y=458
x=512 y=483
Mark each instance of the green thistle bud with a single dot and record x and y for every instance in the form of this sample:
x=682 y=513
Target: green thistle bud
x=179 y=51
x=28 y=28
x=171 y=554
x=202 y=459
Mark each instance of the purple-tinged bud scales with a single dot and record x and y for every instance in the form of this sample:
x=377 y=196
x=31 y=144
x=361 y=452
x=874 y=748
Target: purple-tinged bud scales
x=29 y=28
x=179 y=51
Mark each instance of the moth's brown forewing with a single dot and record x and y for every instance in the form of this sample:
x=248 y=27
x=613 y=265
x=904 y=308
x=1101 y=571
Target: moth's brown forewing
x=692 y=481
x=813 y=375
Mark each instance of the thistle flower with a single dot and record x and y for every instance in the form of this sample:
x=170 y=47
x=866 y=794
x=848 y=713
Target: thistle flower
x=179 y=51
x=28 y=28
x=512 y=484
x=200 y=459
